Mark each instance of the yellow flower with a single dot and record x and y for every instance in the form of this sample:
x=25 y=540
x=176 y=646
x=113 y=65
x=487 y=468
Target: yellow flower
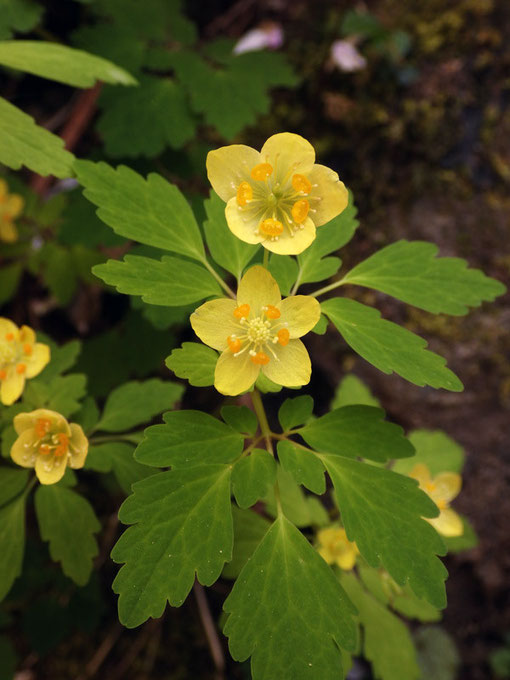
x=258 y=332
x=442 y=489
x=48 y=442
x=10 y=207
x=277 y=196
x=21 y=357
x=335 y=548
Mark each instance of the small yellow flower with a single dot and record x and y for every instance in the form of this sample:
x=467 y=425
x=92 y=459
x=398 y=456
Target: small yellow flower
x=21 y=357
x=48 y=442
x=258 y=332
x=335 y=548
x=442 y=489
x=277 y=196
x=11 y=206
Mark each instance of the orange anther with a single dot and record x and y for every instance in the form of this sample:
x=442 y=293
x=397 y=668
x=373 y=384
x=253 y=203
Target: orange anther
x=3 y=374
x=242 y=311
x=283 y=337
x=261 y=172
x=60 y=450
x=44 y=449
x=234 y=344
x=27 y=349
x=301 y=184
x=300 y=210
x=272 y=312
x=63 y=445
x=244 y=194
x=21 y=368
x=42 y=427
x=271 y=227
x=9 y=337
x=260 y=358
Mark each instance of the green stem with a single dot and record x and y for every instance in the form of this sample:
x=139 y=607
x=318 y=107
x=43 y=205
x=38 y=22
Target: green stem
x=297 y=283
x=218 y=278
x=265 y=261
x=326 y=289
x=262 y=418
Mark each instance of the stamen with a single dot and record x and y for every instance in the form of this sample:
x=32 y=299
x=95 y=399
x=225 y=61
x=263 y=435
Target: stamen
x=242 y=311
x=272 y=312
x=61 y=449
x=9 y=337
x=301 y=184
x=244 y=194
x=3 y=374
x=234 y=344
x=259 y=358
x=44 y=449
x=261 y=172
x=283 y=336
x=271 y=227
x=300 y=210
x=42 y=427
x=21 y=368
x=27 y=349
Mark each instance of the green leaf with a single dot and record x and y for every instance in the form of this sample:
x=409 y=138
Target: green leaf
x=438 y=657
x=436 y=450
x=357 y=431
x=282 y=588
x=8 y=659
x=294 y=412
x=249 y=530
x=350 y=391
x=194 y=362
x=62 y=358
x=22 y=142
x=252 y=476
x=120 y=45
x=10 y=276
x=59 y=62
x=387 y=346
x=151 y=211
x=303 y=466
x=321 y=326
x=387 y=643
x=240 y=418
x=12 y=483
x=135 y=403
x=64 y=393
x=18 y=15
x=223 y=95
x=382 y=512
x=169 y=281
x=227 y=250
x=183 y=526
x=410 y=271
x=143 y=121
x=68 y=522
x=12 y=542
x=189 y=438
x=330 y=238
x=285 y=271
x=117 y=457
x=292 y=497
x=88 y=415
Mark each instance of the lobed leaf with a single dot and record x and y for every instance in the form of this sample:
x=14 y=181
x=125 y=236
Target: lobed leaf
x=296 y=411
x=240 y=418
x=350 y=391
x=12 y=483
x=252 y=476
x=249 y=530
x=194 y=362
x=436 y=450
x=117 y=457
x=12 y=542
x=303 y=465
x=18 y=15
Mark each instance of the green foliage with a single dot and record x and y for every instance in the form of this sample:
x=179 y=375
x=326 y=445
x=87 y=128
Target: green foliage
x=294 y=412
x=182 y=526
x=194 y=362
x=12 y=483
x=61 y=63
x=437 y=655
x=18 y=15
x=22 y=142
x=249 y=530
x=304 y=467
x=9 y=280
x=252 y=476
x=387 y=346
x=240 y=418
x=351 y=390
x=117 y=457
x=12 y=542
x=294 y=586
x=436 y=450
x=410 y=271
x=68 y=522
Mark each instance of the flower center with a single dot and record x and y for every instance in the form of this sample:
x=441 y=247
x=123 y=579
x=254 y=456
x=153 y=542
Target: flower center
x=7 y=352
x=257 y=334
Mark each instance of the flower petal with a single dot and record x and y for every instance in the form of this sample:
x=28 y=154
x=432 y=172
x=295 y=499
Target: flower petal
x=214 y=321
x=23 y=451
x=448 y=523
x=300 y=313
x=326 y=554
x=293 y=245
x=447 y=486
x=228 y=166
x=14 y=205
x=8 y=231
x=26 y=334
x=234 y=375
x=12 y=386
x=50 y=469
x=7 y=326
x=421 y=473
x=78 y=446
x=37 y=360
x=346 y=558
x=288 y=154
x=292 y=367
x=26 y=421
x=243 y=223
x=332 y=192
x=258 y=288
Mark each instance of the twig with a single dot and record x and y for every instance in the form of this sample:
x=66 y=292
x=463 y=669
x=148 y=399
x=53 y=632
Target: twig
x=135 y=649
x=210 y=630
x=102 y=652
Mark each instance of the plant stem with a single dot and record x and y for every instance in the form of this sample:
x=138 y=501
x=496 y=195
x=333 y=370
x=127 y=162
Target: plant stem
x=297 y=283
x=326 y=289
x=218 y=278
x=262 y=418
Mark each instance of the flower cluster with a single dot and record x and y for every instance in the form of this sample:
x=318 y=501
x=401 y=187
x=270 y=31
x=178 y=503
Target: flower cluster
x=11 y=206
x=257 y=332
x=48 y=443
x=21 y=357
x=442 y=489
x=335 y=547
x=277 y=196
